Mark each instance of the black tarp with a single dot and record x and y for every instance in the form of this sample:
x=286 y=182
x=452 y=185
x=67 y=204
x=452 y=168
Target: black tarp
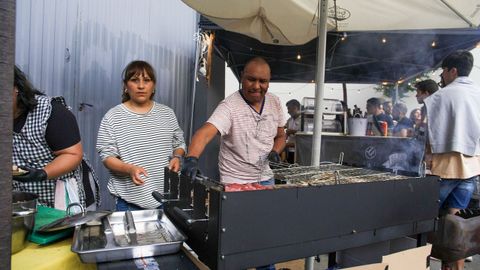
x=360 y=57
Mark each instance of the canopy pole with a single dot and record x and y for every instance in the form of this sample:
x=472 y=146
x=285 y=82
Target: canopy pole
x=345 y=97
x=319 y=92
x=198 y=46
x=320 y=81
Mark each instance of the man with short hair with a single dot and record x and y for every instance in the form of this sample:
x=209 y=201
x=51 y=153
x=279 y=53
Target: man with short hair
x=454 y=135
x=251 y=125
x=387 y=108
x=293 y=125
x=376 y=115
x=424 y=89
x=404 y=127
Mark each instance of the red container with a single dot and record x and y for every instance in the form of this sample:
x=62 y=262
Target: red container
x=383 y=127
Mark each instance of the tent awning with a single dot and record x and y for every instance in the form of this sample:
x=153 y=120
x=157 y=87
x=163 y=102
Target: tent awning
x=351 y=57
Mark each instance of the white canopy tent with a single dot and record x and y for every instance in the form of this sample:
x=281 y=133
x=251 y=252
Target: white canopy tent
x=293 y=22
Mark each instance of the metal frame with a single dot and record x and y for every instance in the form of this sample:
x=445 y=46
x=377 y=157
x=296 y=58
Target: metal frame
x=237 y=230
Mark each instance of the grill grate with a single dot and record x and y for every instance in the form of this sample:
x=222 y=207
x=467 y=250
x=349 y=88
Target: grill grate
x=331 y=174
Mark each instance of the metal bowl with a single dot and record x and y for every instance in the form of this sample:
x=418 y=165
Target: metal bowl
x=24 y=207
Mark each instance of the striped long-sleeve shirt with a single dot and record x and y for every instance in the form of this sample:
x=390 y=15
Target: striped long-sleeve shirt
x=147 y=140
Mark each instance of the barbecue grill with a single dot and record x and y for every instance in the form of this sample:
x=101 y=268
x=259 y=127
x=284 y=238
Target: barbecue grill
x=311 y=210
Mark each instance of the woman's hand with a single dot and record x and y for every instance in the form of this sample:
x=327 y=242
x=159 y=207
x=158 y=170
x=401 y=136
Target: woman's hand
x=174 y=164
x=137 y=174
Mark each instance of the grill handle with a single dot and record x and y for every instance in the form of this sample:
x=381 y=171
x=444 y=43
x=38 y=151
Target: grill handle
x=161 y=199
x=186 y=218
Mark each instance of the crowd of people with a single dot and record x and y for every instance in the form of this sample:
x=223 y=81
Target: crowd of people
x=139 y=137
x=394 y=116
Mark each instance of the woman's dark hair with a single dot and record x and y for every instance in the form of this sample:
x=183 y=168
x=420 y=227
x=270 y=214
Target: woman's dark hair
x=412 y=114
x=137 y=67
x=26 y=101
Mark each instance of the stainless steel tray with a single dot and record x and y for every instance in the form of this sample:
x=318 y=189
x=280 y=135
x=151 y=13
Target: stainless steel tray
x=112 y=239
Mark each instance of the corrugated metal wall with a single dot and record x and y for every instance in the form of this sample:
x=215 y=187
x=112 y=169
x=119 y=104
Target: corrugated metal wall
x=78 y=49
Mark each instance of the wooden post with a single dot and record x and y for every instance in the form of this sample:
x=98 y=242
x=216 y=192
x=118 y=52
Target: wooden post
x=7 y=56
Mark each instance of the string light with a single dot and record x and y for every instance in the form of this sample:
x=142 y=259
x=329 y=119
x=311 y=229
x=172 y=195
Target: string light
x=434 y=44
x=384 y=40
x=342 y=38
x=299 y=57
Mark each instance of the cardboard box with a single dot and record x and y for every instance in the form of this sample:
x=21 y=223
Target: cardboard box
x=412 y=259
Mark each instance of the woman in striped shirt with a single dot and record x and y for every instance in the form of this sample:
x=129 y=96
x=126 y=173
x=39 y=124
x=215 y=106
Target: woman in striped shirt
x=137 y=139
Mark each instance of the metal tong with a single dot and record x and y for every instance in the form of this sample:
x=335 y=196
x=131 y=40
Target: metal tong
x=131 y=231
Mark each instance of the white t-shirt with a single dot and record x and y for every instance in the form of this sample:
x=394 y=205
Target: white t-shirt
x=293 y=124
x=247 y=137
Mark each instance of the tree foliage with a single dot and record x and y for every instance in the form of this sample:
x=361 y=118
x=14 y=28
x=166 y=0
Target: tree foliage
x=405 y=86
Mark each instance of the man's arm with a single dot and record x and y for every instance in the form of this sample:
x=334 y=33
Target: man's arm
x=279 y=141
x=201 y=138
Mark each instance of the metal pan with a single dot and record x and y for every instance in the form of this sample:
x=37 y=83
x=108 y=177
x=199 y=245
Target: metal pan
x=71 y=221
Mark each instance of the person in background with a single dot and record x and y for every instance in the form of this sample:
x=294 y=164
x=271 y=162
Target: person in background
x=47 y=145
x=387 y=108
x=453 y=134
x=375 y=115
x=293 y=125
x=137 y=139
x=416 y=117
x=424 y=89
x=404 y=127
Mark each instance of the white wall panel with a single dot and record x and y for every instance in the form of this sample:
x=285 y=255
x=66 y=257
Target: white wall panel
x=78 y=49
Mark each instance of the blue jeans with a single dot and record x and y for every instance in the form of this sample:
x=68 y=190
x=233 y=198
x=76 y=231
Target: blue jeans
x=122 y=205
x=456 y=193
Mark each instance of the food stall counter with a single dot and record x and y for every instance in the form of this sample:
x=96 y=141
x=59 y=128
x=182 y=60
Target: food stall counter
x=59 y=256
x=54 y=256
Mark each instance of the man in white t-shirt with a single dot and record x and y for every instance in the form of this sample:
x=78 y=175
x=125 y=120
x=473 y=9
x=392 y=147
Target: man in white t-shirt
x=293 y=125
x=251 y=125
x=454 y=136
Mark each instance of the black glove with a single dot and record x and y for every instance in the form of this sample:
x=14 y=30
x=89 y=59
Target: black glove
x=32 y=175
x=274 y=157
x=190 y=167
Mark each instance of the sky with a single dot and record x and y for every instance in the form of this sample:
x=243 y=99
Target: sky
x=357 y=93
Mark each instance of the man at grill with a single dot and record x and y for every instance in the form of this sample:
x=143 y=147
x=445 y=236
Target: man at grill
x=251 y=125
x=454 y=133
